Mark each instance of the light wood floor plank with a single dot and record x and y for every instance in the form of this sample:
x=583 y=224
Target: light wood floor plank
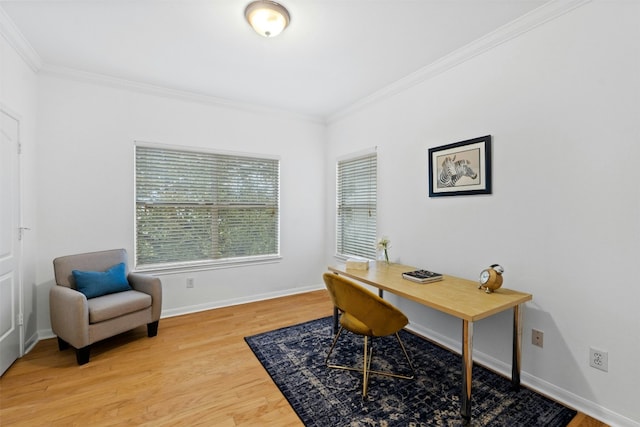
x=197 y=371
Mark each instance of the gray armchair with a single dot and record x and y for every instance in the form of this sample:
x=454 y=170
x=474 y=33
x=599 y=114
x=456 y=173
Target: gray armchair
x=80 y=321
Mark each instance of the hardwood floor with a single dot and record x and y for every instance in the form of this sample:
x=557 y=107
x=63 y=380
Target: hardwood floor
x=197 y=371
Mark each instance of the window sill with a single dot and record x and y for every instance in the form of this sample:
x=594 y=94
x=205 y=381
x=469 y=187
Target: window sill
x=205 y=265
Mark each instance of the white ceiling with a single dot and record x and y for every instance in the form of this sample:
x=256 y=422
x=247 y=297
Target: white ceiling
x=334 y=53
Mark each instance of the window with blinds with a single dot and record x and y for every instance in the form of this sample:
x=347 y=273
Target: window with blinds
x=357 y=206
x=200 y=207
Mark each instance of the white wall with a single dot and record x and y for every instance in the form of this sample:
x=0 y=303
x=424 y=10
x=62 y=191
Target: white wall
x=562 y=102
x=86 y=137
x=18 y=95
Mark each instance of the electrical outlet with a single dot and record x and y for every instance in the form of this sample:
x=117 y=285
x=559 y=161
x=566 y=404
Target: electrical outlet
x=537 y=337
x=599 y=359
x=190 y=282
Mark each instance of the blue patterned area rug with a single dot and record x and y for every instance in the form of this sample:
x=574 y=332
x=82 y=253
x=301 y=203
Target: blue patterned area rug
x=322 y=397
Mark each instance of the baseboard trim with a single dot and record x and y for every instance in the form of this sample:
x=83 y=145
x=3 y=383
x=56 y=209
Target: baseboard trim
x=31 y=342
x=539 y=385
x=237 y=301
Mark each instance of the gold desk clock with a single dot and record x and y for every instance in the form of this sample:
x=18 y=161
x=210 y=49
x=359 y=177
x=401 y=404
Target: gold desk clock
x=491 y=278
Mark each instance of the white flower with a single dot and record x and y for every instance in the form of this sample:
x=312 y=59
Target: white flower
x=384 y=243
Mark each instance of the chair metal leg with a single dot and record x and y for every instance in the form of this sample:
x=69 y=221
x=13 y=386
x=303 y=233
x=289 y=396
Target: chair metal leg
x=333 y=344
x=393 y=375
x=406 y=355
x=366 y=362
x=366 y=365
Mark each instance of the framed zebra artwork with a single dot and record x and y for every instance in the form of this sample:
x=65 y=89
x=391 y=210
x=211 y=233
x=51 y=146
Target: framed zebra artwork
x=460 y=169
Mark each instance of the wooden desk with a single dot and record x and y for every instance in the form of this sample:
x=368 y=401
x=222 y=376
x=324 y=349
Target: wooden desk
x=458 y=297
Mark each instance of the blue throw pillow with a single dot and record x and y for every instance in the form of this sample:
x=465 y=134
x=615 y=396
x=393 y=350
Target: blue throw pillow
x=97 y=283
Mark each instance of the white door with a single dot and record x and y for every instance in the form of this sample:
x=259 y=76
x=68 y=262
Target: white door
x=9 y=242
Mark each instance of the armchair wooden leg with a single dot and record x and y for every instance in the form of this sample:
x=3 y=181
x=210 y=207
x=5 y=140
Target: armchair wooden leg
x=152 y=329
x=82 y=355
x=62 y=344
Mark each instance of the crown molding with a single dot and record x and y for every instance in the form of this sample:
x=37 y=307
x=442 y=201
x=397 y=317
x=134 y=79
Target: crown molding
x=150 y=89
x=17 y=41
x=545 y=13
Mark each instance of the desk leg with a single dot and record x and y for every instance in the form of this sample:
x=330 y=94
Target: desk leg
x=467 y=366
x=335 y=320
x=517 y=347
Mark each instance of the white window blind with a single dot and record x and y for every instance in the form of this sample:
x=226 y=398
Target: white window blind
x=203 y=207
x=357 y=206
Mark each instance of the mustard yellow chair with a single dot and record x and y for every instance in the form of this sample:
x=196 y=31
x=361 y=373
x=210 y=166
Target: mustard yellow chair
x=364 y=313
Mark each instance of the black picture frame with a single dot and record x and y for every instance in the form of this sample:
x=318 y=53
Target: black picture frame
x=452 y=168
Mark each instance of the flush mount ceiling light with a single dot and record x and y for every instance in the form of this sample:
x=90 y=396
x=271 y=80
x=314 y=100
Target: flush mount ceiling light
x=267 y=18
